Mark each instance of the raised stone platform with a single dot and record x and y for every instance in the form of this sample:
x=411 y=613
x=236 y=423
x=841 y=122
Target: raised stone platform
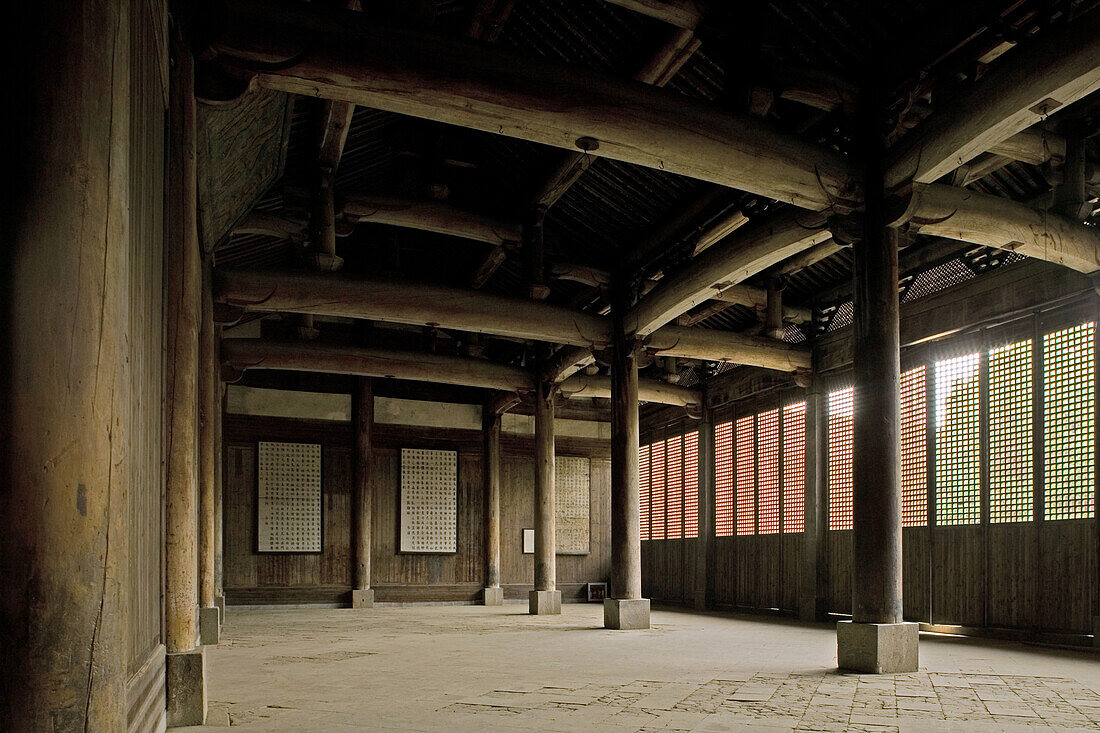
x=544 y=602
x=626 y=613
x=493 y=596
x=877 y=648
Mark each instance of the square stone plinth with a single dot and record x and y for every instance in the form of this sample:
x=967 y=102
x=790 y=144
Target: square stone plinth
x=219 y=601
x=185 y=685
x=362 y=598
x=210 y=625
x=494 y=597
x=544 y=602
x=626 y=613
x=877 y=648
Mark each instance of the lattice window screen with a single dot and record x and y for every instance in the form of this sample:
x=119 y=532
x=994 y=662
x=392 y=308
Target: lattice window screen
x=746 y=476
x=691 y=484
x=1010 y=433
x=794 y=467
x=657 y=492
x=675 y=488
x=1068 y=423
x=767 y=455
x=723 y=480
x=644 y=489
x=572 y=496
x=429 y=497
x=914 y=448
x=288 y=501
x=958 y=439
x=841 y=412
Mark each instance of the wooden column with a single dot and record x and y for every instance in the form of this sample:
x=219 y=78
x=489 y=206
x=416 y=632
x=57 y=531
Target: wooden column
x=185 y=667
x=625 y=609
x=209 y=381
x=494 y=594
x=706 y=505
x=362 y=596
x=864 y=644
x=545 y=598
x=65 y=433
x=219 y=506
x=811 y=604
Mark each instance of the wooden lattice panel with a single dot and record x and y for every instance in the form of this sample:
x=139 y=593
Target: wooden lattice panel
x=572 y=492
x=288 y=501
x=429 y=497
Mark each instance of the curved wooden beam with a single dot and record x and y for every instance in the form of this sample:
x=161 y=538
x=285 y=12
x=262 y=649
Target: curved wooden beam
x=957 y=213
x=649 y=390
x=1016 y=92
x=456 y=81
x=296 y=356
x=736 y=348
x=743 y=254
x=429 y=216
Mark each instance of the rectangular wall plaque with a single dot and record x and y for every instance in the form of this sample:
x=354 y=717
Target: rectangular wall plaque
x=288 y=497
x=572 y=497
x=429 y=498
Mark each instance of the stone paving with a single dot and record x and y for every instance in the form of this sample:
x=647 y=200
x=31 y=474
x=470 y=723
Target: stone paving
x=499 y=669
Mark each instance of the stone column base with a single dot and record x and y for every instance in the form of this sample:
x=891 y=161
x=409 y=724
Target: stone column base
x=494 y=596
x=877 y=648
x=362 y=598
x=219 y=601
x=626 y=613
x=210 y=625
x=185 y=685
x=544 y=602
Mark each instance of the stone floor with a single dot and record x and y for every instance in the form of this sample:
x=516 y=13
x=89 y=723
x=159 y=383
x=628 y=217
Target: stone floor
x=470 y=668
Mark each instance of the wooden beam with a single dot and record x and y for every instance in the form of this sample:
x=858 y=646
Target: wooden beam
x=583 y=274
x=335 y=123
x=244 y=354
x=1017 y=91
x=473 y=311
x=496 y=257
x=273 y=225
x=705 y=343
x=429 y=216
x=979 y=168
x=455 y=81
x=958 y=213
x=680 y=13
x=580 y=386
x=808 y=257
x=757 y=299
x=1035 y=146
x=736 y=259
x=671 y=228
x=566 y=362
x=424 y=305
x=670 y=58
x=719 y=229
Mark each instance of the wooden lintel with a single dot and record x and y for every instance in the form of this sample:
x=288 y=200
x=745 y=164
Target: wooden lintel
x=580 y=386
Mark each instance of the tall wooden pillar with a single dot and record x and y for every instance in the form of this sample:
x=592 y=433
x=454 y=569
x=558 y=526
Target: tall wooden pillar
x=493 y=594
x=876 y=640
x=186 y=685
x=219 y=501
x=545 y=598
x=209 y=381
x=64 y=372
x=811 y=603
x=362 y=595
x=625 y=609
x=707 y=479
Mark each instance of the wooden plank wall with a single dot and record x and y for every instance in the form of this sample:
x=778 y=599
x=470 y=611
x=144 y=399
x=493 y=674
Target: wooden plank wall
x=145 y=498
x=253 y=578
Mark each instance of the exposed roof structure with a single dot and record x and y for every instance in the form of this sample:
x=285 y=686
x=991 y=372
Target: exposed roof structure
x=797 y=68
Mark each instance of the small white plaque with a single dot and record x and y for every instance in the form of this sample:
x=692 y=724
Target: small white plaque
x=528 y=542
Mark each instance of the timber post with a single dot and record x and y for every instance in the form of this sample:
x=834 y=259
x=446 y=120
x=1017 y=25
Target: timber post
x=362 y=595
x=493 y=594
x=545 y=598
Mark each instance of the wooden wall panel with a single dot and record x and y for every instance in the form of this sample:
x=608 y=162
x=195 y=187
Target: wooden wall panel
x=723 y=572
x=915 y=574
x=1011 y=580
x=401 y=577
x=790 y=578
x=958 y=575
x=838 y=570
x=668 y=570
x=1066 y=576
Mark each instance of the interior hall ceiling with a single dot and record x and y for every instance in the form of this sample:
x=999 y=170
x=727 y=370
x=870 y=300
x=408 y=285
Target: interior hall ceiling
x=751 y=57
